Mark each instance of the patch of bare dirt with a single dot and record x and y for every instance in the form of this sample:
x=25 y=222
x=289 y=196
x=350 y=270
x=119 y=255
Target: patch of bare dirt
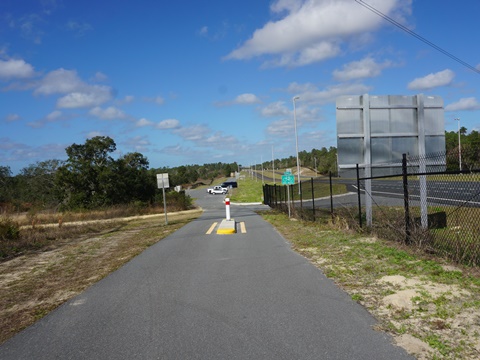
x=431 y=320
x=429 y=305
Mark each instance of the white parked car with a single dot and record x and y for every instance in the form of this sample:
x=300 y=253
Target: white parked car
x=217 y=190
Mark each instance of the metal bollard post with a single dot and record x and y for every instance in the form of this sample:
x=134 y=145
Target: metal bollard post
x=227 y=207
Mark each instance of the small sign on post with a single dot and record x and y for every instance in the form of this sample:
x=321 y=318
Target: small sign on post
x=162 y=183
x=288 y=179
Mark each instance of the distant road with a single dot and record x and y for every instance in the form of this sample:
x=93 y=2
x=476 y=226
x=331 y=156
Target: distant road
x=195 y=295
x=451 y=193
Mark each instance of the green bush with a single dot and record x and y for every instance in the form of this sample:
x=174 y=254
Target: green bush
x=9 y=229
x=176 y=201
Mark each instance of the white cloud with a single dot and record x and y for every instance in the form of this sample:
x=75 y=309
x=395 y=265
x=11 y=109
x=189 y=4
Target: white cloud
x=157 y=100
x=317 y=52
x=312 y=95
x=469 y=104
x=247 y=99
x=30 y=27
x=36 y=124
x=12 y=117
x=143 y=122
x=275 y=109
x=109 y=113
x=7 y=144
x=128 y=99
x=193 y=133
x=168 y=124
x=138 y=143
x=220 y=141
x=100 y=77
x=80 y=29
x=295 y=87
x=78 y=93
x=309 y=55
x=243 y=99
x=281 y=128
x=365 y=68
x=312 y=30
x=442 y=78
x=15 y=69
x=60 y=81
x=92 y=96
x=285 y=5
x=54 y=115
x=203 y=31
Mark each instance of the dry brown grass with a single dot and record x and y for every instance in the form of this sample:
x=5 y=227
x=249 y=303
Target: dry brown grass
x=33 y=284
x=53 y=217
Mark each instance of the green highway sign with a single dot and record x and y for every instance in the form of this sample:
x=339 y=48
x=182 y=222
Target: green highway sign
x=288 y=179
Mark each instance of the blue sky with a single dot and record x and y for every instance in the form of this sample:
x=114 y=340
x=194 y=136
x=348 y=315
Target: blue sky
x=193 y=82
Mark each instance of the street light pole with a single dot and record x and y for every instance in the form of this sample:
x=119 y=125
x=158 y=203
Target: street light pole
x=459 y=146
x=273 y=167
x=296 y=141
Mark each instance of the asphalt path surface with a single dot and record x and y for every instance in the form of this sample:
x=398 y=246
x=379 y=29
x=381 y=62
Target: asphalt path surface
x=195 y=295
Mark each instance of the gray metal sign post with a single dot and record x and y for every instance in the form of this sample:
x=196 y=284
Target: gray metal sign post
x=162 y=182
x=288 y=179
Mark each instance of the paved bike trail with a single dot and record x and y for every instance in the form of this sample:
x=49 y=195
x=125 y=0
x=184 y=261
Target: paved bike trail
x=195 y=295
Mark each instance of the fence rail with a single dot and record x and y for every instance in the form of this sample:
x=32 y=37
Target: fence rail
x=428 y=203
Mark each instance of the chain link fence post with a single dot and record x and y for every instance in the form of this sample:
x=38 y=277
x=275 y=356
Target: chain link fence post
x=405 y=199
x=359 y=200
x=313 y=198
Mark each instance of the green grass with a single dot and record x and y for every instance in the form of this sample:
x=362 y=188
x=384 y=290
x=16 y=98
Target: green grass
x=248 y=190
x=251 y=190
x=357 y=262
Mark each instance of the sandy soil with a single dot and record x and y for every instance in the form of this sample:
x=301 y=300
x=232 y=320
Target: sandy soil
x=412 y=309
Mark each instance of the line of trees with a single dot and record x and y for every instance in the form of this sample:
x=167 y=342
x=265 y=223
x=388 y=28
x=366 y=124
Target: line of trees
x=470 y=149
x=323 y=161
x=91 y=178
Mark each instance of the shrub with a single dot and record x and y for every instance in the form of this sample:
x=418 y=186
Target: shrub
x=9 y=229
x=176 y=201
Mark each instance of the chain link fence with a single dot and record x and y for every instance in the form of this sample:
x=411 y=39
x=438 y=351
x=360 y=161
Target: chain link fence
x=431 y=202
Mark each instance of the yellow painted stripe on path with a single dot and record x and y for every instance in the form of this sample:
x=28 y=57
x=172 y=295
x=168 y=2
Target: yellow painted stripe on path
x=211 y=228
x=243 y=229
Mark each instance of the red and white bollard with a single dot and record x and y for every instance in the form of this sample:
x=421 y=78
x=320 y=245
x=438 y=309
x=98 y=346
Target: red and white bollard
x=227 y=207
